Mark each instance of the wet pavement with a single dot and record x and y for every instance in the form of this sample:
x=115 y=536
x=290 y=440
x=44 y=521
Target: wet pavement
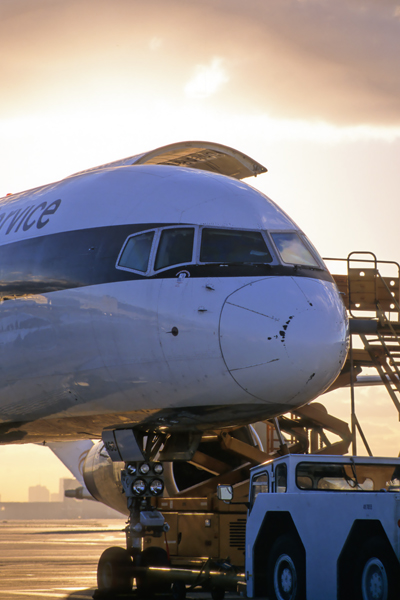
x=58 y=559
x=54 y=559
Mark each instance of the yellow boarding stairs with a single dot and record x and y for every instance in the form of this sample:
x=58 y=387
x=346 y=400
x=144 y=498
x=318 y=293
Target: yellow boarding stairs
x=370 y=291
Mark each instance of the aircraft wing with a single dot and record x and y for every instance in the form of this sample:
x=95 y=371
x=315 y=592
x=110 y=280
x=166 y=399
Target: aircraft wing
x=72 y=455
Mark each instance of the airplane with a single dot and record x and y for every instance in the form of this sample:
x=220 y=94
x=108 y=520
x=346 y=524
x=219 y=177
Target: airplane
x=151 y=299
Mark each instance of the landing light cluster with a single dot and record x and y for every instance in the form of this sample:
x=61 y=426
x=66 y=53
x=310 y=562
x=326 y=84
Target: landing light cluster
x=145 y=482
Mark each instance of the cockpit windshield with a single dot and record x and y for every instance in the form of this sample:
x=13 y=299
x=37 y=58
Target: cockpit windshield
x=136 y=252
x=293 y=249
x=233 y=246
x=175 y=247
x=152 y=251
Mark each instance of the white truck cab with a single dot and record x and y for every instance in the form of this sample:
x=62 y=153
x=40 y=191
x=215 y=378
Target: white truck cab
x=323 y=528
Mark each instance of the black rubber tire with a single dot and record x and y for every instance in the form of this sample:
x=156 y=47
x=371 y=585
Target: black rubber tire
x=375 y=576
x=217 y=593
x=114 y=571
x=152 y=557
x=286 y=572
x=178 y=591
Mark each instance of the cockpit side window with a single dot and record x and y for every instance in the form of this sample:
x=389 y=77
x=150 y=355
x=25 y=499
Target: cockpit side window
x=175 y=247
x=233 y=246
x=136 y=253
x=293 y=250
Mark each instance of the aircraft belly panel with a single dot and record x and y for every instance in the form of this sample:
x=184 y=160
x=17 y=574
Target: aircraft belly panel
x=44 y=342
x=106 y=349
x=81 y=350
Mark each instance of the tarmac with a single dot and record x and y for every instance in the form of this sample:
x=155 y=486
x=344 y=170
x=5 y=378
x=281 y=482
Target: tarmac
x=58 y=559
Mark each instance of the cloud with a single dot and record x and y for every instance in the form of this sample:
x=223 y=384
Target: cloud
x=207 y=79
x=294 y=59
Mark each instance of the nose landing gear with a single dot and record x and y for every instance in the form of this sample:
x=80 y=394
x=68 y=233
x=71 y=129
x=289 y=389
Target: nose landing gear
x=142 y=479
x=118 y=566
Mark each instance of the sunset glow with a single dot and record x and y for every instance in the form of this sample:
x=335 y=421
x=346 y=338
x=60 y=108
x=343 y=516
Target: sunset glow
x=308 y=88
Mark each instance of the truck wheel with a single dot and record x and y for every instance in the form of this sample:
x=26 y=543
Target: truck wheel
x=374 y=581
x=114 y=571
x=375 y=577
x=286 y=570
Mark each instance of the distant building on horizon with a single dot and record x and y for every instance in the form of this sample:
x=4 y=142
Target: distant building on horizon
x=55 y=497
x=38 y=493
x=66 y=483
x=43 y=505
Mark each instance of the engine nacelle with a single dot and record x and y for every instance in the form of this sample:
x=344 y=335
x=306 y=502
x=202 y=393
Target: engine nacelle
x=103 y=478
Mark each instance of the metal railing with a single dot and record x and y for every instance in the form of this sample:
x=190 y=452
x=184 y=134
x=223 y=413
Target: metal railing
x=369 y=295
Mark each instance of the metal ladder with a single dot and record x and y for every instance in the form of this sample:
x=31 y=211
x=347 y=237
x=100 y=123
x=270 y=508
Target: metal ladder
x=372 y=300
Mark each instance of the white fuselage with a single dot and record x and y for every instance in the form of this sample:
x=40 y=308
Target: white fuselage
x=86 y=343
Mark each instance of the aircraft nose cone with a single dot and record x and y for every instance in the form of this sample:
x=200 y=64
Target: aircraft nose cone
x=284 y=339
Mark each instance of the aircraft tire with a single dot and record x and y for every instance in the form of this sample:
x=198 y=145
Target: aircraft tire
x=114 y=571
x=286 y=570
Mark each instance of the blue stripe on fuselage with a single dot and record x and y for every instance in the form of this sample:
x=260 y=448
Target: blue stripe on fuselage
x=87 y=257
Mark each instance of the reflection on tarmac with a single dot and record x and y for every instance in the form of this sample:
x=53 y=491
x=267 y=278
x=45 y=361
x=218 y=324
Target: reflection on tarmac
x=54 y=559
x=58 y=559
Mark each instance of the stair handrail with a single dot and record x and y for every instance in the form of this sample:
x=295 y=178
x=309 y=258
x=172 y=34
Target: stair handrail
x=375 y=262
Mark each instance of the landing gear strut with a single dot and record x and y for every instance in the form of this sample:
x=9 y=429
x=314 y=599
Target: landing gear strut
x=141 y=480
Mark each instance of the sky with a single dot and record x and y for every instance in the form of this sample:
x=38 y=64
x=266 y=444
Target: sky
x=308 y=88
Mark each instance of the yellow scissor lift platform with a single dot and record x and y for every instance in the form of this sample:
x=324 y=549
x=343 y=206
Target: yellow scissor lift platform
x=202 y=527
